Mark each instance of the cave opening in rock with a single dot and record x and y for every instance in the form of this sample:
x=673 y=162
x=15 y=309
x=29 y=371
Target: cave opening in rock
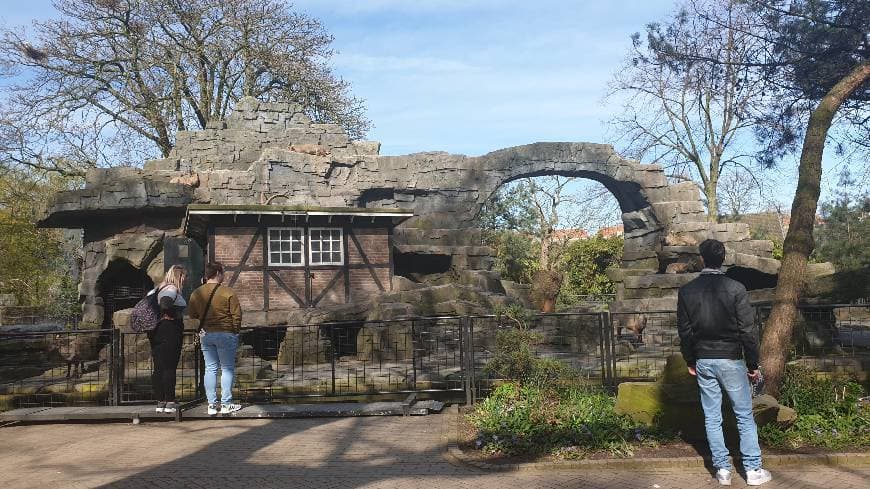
x=265 y=341
x=752 y=279
x=342 y=337
x=419 y=266
x=121 y=286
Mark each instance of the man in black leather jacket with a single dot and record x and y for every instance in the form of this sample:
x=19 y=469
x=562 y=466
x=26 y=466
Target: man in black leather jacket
x=717 y=331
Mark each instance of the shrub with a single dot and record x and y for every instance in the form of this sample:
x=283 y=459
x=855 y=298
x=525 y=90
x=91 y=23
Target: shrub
x=566 y=421
x=829 y=413
x=810 y=394
x=514 y=357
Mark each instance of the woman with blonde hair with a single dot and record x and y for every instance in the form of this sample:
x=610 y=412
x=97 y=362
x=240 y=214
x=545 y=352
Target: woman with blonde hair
x=166 y=338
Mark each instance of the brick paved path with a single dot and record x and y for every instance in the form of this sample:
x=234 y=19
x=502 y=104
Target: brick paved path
x=303 y=453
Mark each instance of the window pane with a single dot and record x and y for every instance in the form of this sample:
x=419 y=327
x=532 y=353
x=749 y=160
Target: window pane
x=297 y=235
x=285 y=234
x=315 y=235
x=296 y=258
x=336 y=257
x=315 y=246
x=285 y=246
x=336 y=235
x=276 y=257
x=297 y=246
x=273 y=234
x=327 y=246
x=315 y=258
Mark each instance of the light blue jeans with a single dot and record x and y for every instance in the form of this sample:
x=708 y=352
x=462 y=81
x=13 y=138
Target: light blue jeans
x=714 y=376
x=219 y=351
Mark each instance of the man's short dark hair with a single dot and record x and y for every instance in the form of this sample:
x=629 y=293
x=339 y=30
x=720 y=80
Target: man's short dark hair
x=713 y=253
x=212 y=269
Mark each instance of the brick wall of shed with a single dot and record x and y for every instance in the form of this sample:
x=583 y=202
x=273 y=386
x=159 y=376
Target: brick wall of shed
x=231 y=243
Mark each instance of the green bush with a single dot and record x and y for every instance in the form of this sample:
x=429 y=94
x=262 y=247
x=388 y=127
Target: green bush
x=567 y=421
x=514 y=357
x=829 y=413
x=806 y=393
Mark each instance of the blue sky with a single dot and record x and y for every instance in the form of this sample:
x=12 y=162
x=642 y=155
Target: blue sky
x=474 y=76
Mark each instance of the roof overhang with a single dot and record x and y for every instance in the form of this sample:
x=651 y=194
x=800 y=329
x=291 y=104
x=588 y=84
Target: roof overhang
x=202 y=213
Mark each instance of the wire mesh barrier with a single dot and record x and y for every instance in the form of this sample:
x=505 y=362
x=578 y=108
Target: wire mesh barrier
x=55 y=368
x=833 y=339
x=642 y=342
x=349 y=358
x=452 y=355
x=575 y=340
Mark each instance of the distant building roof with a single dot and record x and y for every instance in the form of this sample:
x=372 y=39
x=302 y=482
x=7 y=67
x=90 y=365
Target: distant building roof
x=611 y=231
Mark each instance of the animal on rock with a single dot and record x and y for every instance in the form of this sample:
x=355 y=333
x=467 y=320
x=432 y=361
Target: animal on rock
x=311 y=149
x=75 y=350
x=635 y=323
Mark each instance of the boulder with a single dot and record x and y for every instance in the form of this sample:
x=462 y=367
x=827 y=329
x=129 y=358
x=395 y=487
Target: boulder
x=673 y=402
x=303 y=345
x=520 y=293
x=385 y=343
x=484 y=280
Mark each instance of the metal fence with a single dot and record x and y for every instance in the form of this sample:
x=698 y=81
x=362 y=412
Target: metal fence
x=55 y=368
x=445 y=355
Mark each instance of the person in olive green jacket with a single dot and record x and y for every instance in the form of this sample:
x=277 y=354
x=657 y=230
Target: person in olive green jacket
x=220 y=319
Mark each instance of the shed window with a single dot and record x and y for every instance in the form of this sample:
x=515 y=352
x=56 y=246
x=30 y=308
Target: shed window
x=326 y=247
x=286 y=246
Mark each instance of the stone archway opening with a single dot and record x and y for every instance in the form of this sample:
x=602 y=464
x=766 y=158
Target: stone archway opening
x=121 y=286
x=552 y=220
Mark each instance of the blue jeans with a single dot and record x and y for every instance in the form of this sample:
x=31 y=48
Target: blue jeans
x=714 y=376
x=219 y=351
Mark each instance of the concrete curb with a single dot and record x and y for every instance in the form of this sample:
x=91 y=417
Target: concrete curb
x=455 y=455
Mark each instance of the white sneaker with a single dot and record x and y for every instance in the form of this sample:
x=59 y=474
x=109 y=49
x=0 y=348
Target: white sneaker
x=212 y=409
x=171 y=407
x=757 y=477
x=230 y=408
x=724 y=477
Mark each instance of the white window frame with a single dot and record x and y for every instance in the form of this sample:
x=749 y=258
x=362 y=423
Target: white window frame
x=340 y=247
x=301 y=252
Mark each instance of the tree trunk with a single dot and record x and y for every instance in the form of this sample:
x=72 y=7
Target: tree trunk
x=712 y=201
x=798 y=242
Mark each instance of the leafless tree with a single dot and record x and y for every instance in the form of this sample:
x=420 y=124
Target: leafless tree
x=690 y=116
x=741 y=191
x=563 y=210
x=137 y=71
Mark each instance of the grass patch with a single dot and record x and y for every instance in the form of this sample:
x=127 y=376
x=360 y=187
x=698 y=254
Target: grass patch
x=566 y=422
x=830 y=413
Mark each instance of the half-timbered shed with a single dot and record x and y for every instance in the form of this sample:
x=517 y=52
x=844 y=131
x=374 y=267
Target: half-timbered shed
x=287 y=257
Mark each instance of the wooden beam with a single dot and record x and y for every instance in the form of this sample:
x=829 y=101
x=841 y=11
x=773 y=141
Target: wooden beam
x=329 y=286
x=277 y=279
x=367 y=263
x=244 y=258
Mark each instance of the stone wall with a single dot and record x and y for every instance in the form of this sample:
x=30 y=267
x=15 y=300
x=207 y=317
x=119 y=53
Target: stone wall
x=271 y=153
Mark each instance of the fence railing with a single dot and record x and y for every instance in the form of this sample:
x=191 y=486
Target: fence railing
x=445 y=355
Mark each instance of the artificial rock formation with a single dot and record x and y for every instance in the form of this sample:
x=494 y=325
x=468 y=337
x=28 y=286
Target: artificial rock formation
x=271 y=153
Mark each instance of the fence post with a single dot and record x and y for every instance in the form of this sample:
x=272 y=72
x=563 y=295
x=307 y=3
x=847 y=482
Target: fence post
x=116 y=365
x=607 y=353
x=465 y=358
x=332 y=349
x=414 y=353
